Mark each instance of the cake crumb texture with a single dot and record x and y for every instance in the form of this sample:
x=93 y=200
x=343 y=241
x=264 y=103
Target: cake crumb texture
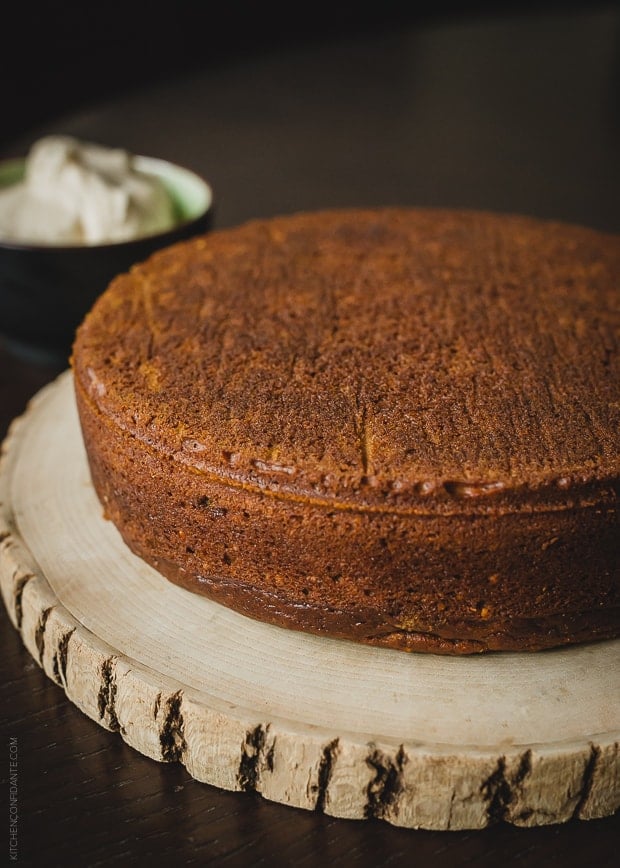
x=391 y=425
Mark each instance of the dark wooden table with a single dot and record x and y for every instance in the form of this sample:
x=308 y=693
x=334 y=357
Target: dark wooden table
x=514 y=113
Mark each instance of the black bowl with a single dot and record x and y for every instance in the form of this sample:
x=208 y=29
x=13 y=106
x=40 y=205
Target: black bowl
x=46 y=290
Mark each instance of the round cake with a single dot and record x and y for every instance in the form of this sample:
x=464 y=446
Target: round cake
x=395 y=426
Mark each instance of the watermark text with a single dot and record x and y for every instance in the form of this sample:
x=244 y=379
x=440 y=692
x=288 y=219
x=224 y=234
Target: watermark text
x=13 y=799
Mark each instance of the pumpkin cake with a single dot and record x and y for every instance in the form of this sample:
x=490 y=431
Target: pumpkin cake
x=395 y=426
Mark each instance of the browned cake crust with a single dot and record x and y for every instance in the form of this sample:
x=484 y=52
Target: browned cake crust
x=396 y=426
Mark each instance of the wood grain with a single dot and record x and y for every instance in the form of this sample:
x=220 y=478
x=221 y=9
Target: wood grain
x=416 y=740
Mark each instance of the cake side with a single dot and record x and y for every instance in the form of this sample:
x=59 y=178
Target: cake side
x=447 y=584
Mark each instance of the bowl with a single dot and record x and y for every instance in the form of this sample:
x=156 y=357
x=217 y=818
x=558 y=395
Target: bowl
x=46 y=290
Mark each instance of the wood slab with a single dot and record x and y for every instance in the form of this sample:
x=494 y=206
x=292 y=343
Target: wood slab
x=417 y=740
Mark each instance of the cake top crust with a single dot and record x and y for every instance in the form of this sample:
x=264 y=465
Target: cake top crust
x=382 y=358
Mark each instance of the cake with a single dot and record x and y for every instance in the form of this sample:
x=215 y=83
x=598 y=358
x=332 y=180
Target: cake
x=394 y=426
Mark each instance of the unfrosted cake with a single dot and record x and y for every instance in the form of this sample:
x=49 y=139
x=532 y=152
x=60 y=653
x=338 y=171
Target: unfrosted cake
x=392 y=426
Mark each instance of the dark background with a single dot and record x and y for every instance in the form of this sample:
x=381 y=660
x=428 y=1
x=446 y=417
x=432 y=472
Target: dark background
x=57 y=57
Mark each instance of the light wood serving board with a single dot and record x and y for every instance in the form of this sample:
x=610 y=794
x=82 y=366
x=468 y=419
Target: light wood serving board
x=418 y=740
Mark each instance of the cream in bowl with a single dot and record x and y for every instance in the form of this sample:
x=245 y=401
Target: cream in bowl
x=75 y=192
x=73 y=215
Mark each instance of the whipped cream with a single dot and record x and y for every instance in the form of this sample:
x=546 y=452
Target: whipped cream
x=77 y=192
